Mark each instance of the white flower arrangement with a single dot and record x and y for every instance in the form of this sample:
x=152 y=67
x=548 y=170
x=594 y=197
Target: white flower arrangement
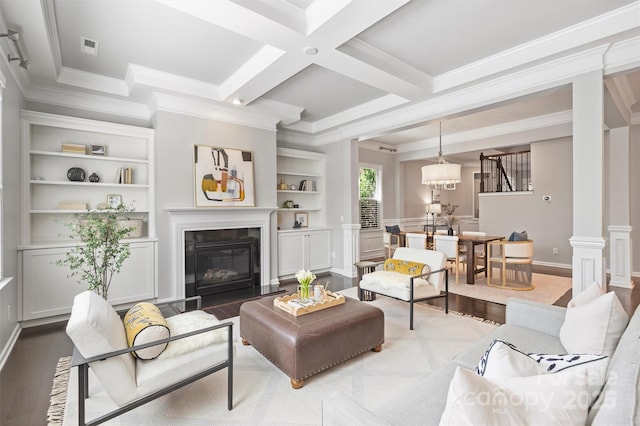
x=305 y=277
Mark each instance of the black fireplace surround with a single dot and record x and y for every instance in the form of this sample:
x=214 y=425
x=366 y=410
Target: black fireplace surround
x=221 y=260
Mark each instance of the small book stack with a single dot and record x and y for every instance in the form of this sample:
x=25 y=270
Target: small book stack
x=306 y=185
x=125 y=175
x=74 y=148
x=72 y=205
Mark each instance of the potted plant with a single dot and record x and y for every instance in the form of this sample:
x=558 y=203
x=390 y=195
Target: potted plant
x=448 y=210
x=101 y=252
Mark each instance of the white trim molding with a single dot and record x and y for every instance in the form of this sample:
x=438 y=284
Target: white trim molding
x=351 y=238
x=620 y=253
x=587 y=262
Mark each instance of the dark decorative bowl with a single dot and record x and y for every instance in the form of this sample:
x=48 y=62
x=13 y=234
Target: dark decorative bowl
x=76 y=174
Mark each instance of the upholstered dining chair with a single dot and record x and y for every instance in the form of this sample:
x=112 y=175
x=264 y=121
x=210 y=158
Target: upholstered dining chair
x=100 y=343
x=416 y=240
x=391 y=243
x=514 y=257
x=413 y=275
x=448 y=244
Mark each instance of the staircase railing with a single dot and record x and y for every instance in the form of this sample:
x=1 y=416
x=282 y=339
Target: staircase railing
x=508 y=172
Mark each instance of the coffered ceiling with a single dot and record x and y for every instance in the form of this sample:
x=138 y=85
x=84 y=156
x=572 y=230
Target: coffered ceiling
x=321 y=70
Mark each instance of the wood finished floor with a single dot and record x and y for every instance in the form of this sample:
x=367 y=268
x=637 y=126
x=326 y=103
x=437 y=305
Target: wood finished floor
x=25 y=380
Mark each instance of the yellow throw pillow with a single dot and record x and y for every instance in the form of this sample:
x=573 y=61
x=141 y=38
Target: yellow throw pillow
x=144 y=323
x=405 y=267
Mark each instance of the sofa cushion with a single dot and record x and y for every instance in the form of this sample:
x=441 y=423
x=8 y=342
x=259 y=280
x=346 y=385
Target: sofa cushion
x=593 y=322
x=524 y=338
x=144 y=323
x=537 y=400
x=504 y=359
x=405 y=267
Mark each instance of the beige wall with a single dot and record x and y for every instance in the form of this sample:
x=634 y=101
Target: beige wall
x=175 y=136
x=548 y=224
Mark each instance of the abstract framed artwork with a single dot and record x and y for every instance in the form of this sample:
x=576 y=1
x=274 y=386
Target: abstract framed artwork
x=223 y=177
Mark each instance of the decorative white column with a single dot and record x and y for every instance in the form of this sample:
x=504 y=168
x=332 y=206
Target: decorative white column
x=620 y=253
x=588 y=171
x=619 y=211
x=351 y=246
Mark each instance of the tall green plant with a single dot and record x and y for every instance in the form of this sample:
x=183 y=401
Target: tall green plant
x=100 y=253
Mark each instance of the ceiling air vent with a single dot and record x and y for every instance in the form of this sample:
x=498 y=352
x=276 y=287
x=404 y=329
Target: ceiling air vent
x=88 y=46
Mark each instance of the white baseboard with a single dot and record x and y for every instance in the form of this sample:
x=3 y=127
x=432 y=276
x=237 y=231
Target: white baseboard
x=343 y=272
x=552 y=264
x=6 y=351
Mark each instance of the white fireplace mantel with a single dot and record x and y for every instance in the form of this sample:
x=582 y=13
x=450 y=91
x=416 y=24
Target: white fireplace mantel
x=185 y=219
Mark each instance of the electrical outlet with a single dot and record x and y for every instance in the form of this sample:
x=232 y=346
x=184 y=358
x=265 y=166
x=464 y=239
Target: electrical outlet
x=555 y=250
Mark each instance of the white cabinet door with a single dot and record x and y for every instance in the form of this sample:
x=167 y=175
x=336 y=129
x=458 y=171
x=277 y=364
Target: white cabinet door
x=319 y=249
x=304 y=250
x=291 y=253
x=47 y=290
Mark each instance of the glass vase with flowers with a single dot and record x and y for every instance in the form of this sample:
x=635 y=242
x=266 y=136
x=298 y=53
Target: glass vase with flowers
x=305 y=278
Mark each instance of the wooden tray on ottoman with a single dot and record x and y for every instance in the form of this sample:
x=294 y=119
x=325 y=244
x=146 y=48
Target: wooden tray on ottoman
x=287 y=303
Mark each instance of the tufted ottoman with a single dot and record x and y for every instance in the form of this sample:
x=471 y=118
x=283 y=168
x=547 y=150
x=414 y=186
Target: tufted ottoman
x=305 y=345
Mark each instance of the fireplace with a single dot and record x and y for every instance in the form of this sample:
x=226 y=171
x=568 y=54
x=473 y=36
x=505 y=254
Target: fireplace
x=221 y=260
x=231 y=223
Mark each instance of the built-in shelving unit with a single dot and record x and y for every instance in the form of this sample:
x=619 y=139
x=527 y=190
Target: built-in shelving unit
x=308 y=247
x=50 y=200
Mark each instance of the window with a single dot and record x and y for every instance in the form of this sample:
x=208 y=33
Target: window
x=370 y=188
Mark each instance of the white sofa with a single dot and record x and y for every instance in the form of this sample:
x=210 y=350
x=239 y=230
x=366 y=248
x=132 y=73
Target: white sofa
x=532 y=327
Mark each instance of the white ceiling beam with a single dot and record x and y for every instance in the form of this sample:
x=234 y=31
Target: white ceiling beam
x=319 y=12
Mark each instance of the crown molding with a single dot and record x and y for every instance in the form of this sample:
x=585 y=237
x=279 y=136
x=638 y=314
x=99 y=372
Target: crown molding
x=137 y=75
x=92 y=81
x=286 y=112
x=79 y=100
x=590 y=31
x=368 y=108
x=623 y=55
x=196 y=108
x=51 y=28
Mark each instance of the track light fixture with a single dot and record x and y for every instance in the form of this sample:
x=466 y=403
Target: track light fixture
x=14 y=36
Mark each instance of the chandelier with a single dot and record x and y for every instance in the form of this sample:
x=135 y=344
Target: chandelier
x=442 y=173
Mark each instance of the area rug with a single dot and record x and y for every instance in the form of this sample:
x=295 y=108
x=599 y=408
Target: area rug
x=263 y=394
x=548 y=289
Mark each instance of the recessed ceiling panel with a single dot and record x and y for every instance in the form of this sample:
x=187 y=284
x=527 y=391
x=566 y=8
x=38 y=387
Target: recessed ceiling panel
x=150 y=34
x=437 y=36
x=322 y=92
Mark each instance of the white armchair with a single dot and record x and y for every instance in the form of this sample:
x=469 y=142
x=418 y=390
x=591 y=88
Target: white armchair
x=100 y=342
x=412 y=288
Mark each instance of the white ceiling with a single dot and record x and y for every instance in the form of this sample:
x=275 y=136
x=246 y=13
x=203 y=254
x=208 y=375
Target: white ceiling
x=375 y=58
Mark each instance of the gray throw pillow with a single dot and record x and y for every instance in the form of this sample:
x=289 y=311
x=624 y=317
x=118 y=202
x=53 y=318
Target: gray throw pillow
x=518 y=236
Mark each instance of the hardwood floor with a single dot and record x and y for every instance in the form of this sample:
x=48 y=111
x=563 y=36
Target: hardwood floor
x=25 y=380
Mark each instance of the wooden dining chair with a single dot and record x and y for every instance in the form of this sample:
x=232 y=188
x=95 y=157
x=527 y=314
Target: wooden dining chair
x=448 y=245
x=416 y=240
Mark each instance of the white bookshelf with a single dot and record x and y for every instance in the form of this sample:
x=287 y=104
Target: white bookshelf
x=48 y=292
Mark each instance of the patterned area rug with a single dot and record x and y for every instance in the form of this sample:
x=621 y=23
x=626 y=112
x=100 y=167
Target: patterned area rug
x=263 y=394
x=548 y=289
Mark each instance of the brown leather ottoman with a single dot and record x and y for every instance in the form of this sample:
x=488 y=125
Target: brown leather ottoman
x=305 y=345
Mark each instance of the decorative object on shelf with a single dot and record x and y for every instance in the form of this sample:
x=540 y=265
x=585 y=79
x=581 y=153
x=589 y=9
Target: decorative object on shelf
x=114 y=201
x=98 y=150
x=93 y=177
x=76 y=174
x=306 y=185
x=305 y=278
x=303 y=219
x=101 y=253
x=448 y=210
x=73 y=205
x=125 y=175
x=296 y=224
x=296 y=206
x=73 y=148
x=288 y=204
x=443 y=173
x=224 y=177
x=282 y=186
x=293 y=187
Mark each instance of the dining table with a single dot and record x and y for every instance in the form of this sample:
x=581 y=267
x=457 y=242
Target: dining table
x=470 y=241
